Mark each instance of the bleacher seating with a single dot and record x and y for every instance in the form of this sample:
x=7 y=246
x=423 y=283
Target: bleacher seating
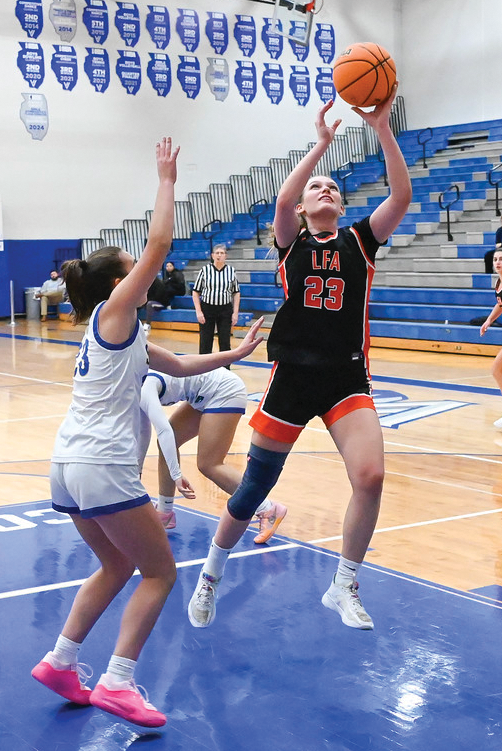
x=426 y=288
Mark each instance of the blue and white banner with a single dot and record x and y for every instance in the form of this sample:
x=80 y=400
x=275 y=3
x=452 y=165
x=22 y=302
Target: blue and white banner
x=97 y=68
x=299 y=29
x=157 y=25
x=187 y=26
x=159 y=72
x=95 y=18
x=30 y=15
x=324 y=84
x=30 y=61
x=299 y=83
x=274 y=43
x=245 y=34
x=63 y=16
x=245 y=79
x=325 y=41
x=64 y=65
x=128 y=69
x=217 y=31
x=188 y=75
x=35 y=115
x=218 y=78
x=273 y=82
x=127 y=23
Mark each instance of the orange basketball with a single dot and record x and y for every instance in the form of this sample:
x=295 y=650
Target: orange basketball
x=364 y=74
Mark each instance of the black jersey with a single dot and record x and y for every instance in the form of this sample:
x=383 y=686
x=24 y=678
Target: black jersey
x=326 y=280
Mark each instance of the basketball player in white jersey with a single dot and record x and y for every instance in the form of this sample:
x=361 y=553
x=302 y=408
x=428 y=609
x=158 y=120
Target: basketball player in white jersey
x=94 y=473
x=212 y=407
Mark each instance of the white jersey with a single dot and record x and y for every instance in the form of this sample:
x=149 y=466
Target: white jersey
x=102 y=424
x=216 y=391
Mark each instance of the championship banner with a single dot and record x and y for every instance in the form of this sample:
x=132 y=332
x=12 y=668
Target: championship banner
x=157 y=25
x=95 y=18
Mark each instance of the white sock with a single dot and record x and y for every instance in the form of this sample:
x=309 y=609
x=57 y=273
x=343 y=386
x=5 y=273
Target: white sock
x=347 y=572
x=263 y=507
x=66 y=650
x=165 y=503
x=120 y=669
x=216 y=560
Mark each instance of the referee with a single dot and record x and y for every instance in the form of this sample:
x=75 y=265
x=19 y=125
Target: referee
x=216 y=296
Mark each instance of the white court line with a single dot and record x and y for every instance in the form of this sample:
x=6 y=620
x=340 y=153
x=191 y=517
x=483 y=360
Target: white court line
x=419 y=448
x=411 y=477
x=245 y=554
x=428 y=585
x=415 y=524
x=182 y=564
x=37 y=380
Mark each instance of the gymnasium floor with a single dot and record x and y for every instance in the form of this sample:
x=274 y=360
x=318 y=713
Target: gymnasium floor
x=276 y=670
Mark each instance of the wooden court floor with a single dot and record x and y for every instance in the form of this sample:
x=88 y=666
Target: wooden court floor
x=441 y=517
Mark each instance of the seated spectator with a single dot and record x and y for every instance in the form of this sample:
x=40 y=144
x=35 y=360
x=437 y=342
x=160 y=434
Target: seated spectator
x=161 y=292
x=489 y=253
x=51 y=292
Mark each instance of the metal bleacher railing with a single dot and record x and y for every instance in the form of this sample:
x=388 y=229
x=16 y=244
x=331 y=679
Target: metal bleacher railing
x=207 y=212
x=495 y=172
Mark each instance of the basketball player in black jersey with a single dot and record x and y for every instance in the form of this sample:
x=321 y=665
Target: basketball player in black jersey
x=319 y=344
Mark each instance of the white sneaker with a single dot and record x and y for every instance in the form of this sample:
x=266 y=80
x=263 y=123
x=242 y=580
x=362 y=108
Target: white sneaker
x=498 y=424
x=346 y=601
x=202 y=606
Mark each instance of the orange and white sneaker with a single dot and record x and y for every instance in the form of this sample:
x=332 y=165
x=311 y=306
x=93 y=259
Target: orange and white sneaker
x=124 y=699
x=269 y=521
x=66 y=680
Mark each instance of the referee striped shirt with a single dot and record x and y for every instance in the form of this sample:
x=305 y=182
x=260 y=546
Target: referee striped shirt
x=216 y=286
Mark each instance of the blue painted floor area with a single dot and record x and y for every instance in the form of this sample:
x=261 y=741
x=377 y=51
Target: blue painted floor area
x=275 y=672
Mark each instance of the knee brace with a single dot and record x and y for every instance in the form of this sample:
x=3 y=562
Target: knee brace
x=262 y=472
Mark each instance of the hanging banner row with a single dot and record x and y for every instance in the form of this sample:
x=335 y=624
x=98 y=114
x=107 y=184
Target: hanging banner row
x=30 y=61
x=95 y=17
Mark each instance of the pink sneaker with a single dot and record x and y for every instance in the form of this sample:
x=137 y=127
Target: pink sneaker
x=126 y=701
x=269 y=521
x=168 y=519
x=67 y=681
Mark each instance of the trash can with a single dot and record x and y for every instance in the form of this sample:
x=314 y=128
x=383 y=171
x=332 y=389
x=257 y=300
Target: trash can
x=32 y=305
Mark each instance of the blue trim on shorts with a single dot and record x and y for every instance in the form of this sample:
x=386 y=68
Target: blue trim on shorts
x=228 y=410
x=114 y=507
x=64 y=509
x=164 y=384
x=103 y=510
x=107 y=345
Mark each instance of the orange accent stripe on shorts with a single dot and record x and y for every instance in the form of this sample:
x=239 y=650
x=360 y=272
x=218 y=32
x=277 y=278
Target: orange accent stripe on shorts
x=274 y=428
x=350 y=404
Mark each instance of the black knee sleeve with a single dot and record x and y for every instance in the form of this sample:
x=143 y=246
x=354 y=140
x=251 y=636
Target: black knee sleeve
x=262 y=472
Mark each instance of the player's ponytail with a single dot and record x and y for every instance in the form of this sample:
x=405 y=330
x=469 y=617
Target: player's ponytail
x=90 y=281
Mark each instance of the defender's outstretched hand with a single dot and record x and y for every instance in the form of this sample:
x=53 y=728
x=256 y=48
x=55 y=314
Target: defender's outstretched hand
x=250 y=341
x=166 y=160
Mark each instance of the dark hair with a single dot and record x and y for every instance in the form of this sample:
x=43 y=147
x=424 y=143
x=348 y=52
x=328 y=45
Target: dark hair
x=91 y=281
